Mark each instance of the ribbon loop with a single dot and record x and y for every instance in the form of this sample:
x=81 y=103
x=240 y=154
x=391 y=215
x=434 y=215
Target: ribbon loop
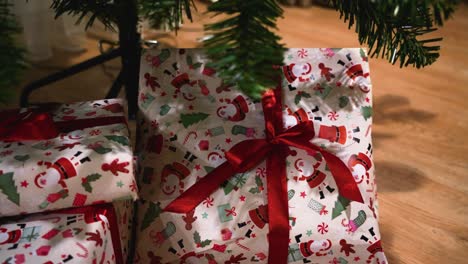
x=28 y=125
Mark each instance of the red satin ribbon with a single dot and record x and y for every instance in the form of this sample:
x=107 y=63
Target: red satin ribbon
x=29 y=125
x=36 y=124
x=247 y=154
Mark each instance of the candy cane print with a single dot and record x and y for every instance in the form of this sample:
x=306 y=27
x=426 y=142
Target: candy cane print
x=240 y=245
x=188 y=136
x=103 y=257
x=368 y=130
x=85 y=250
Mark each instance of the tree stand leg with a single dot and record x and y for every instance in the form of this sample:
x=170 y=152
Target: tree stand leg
x=127 y=22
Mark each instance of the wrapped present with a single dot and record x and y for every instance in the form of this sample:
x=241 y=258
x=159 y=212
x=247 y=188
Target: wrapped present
x=64 y=156
x=288 y=179
x=91 y=234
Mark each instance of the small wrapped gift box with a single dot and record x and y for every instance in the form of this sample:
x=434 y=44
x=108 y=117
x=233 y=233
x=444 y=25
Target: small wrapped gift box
x=64 y=156
x=226 y=179
x=90 y=234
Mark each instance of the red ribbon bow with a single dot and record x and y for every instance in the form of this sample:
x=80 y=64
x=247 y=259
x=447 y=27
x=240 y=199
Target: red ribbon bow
x=29 y=125
x=247 y=154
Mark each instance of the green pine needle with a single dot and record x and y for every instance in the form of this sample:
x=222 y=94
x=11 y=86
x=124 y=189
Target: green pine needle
x=11 y=55
x=395 y=29
x=160 y=13
x=243 y=47
x=102 y=10
x=166 y=13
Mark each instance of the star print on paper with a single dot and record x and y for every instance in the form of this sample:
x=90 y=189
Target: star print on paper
x=24 y=184
x=303 y=195
x=242 y=198
x=205 y=215
x=228 y=140
x=120 y=184
x=309 y=232
x=197 y=167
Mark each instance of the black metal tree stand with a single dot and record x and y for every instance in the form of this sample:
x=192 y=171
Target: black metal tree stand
x=129 y=50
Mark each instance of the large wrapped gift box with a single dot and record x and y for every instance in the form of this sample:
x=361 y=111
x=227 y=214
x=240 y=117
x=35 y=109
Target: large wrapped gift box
x=90 y=234
x=64 y=156
x=191 y=121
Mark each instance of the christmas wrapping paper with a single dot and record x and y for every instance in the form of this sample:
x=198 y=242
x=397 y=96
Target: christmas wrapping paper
x=76 y=168
x=91 y=234
x=190 y=118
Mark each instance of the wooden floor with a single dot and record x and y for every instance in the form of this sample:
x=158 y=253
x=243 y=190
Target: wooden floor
x=420 y=130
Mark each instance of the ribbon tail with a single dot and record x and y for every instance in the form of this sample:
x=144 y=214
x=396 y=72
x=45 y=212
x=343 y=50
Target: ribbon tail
x=202 y=189
x=347 y=186
x=278 y=210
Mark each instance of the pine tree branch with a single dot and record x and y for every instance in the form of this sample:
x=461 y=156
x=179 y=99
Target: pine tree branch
x=159 y=12
x=166 y=13
x=395 y=29
x=102 y=10
x=11 y=55
x=243 y=46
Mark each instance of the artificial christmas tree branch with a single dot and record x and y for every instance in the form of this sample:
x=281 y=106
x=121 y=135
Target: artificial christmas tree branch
x=166 y=13
x=9 y=52
x=244 y=45
x=394 y=29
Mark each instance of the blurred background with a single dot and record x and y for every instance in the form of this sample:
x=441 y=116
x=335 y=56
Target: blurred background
x=420 y=116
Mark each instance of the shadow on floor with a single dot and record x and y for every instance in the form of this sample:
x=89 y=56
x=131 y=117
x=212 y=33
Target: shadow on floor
x=391 y=108
x=397 y=177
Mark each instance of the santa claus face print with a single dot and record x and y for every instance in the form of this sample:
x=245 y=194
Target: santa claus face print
x=215 y=159
x=227 y=111
x=360 y=82
x=49 y=179
x=9 y=237
x=3 y=237
x=289 y=121
x=358 y=171
x=170 y=184
x=320 y=245
x=305 y=168
x=301 y=69
x=186 y=91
